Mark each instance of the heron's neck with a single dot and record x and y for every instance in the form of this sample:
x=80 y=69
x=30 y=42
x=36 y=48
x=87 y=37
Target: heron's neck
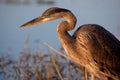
x=71 y=19
x=65 y=26
x=66 y=39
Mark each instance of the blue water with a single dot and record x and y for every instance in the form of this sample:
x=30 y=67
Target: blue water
x=105 y=13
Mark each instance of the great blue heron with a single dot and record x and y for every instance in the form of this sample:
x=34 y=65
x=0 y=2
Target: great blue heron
x=91 y=45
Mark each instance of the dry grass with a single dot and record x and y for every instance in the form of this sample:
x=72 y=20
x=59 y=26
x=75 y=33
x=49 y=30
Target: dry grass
x=53 y=65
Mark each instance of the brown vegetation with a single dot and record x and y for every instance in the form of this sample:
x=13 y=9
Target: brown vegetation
x=40 y=66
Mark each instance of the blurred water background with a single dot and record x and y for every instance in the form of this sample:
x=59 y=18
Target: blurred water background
x=14 y=13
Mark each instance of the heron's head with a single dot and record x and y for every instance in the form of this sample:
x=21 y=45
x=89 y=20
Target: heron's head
x=50 y=14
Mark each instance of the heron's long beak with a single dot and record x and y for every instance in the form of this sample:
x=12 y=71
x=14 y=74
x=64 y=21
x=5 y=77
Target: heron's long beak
x=35 y=21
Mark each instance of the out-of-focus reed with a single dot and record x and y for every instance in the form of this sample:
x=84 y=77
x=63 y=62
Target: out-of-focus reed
x=53 y=65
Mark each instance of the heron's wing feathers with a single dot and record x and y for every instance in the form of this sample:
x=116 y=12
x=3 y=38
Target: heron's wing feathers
x=104 y=50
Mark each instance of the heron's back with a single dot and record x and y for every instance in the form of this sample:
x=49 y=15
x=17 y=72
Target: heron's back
x=108 y=56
